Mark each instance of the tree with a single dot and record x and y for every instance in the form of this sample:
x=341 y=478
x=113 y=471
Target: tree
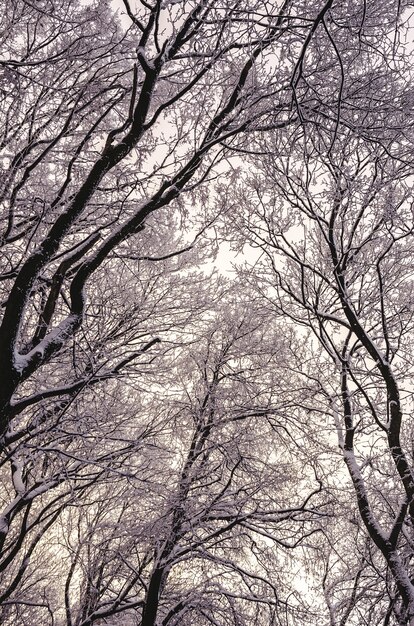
x=194 y=537
x=123 y=141
x=81 y=96
x=333 y=219
x=103 y=125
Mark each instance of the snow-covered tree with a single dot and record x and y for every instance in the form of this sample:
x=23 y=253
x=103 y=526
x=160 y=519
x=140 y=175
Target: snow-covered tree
x=160 y=460
x=332 y=216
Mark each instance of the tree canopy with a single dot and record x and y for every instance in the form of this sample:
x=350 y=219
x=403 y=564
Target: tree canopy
x=185 y=441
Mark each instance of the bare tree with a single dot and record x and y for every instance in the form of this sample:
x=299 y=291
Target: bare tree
x=333 y=220
x=103 y=124
x=122 y=141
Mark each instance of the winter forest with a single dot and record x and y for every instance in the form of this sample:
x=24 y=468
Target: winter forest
x=207 y=305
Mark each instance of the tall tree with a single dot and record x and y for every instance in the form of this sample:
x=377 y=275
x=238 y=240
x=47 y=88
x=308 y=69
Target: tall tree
x=97 y=134
x=332 y=216
x=122 y=141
